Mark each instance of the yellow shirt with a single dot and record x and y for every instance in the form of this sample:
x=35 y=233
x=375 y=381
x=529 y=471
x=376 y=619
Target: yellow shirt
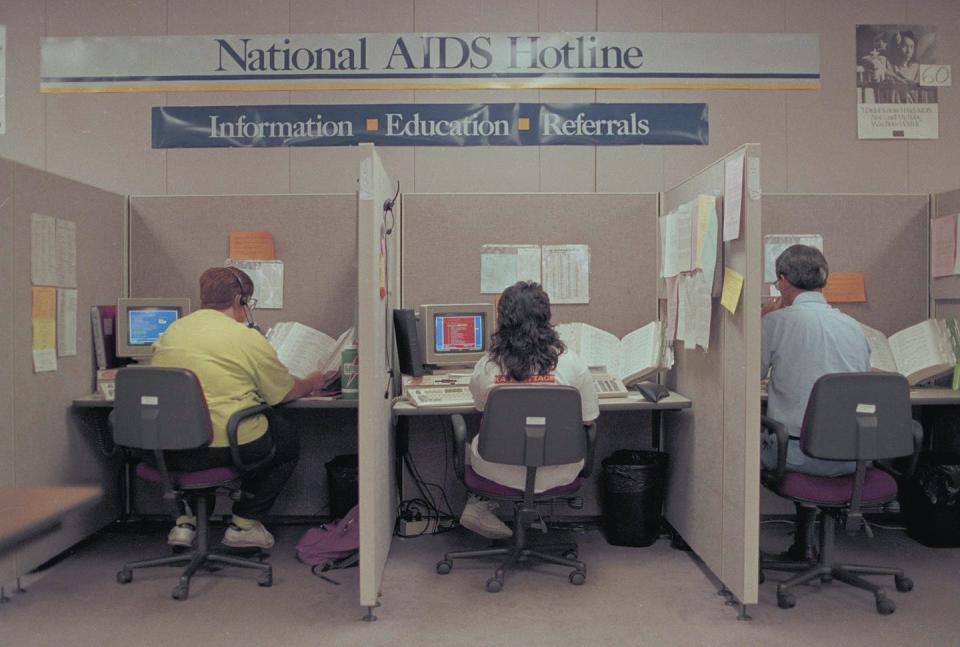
x=237 y=368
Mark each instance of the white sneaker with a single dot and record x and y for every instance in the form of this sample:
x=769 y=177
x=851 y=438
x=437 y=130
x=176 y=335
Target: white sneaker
x=182 y=535
x=255 y=536
x=478 y=516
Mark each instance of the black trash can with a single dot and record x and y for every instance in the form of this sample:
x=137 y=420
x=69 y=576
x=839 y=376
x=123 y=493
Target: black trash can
x=343 y=484
x=633 y=484
x=931 y=501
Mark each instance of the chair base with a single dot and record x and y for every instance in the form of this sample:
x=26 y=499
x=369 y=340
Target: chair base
x=202 y=557
x=826 y=569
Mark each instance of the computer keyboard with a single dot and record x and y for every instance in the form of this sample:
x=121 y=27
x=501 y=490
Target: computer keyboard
x=436 y=396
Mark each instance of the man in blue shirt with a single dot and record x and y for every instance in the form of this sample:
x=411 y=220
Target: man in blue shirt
x=804 y=338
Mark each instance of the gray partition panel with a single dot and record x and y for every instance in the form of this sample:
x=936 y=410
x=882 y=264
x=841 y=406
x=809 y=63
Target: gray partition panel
x=174 y=238
x=52 y=445
x=7 y=562
x=883 y=236
x=945 y=290
x=443 y=237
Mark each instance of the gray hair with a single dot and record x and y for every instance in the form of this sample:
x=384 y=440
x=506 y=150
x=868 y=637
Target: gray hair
x=803 y=266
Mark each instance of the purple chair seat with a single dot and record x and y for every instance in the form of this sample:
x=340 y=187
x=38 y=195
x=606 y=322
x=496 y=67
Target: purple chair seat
x=490 y=488
x=878 y=486
x=212 y=477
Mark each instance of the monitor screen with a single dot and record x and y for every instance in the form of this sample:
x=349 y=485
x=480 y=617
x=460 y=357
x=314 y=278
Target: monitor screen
x=140 y=322
x=456 y=335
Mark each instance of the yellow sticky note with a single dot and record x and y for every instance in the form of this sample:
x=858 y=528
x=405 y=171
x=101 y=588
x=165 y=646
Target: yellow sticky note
x=732 y=286
x=44 y=334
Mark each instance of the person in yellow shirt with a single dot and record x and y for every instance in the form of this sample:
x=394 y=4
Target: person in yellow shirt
x=237 y=368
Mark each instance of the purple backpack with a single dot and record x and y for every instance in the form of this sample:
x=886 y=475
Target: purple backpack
x=332 y=545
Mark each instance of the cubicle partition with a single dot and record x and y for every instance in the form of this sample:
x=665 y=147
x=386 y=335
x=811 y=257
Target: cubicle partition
x=713 y=491
x=882 y=236
x=172 y=239
x=944 y=290
x=40 y=442
x=378 y=294
x=443 y=237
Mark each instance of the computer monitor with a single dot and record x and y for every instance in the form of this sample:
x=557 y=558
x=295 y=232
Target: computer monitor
x=140 y=322
x=456 y=335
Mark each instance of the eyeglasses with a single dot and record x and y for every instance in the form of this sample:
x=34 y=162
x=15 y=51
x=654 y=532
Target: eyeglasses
x=251 y=303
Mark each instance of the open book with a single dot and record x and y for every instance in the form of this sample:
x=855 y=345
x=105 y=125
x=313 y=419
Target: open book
x=920 y=352
x=303 y=349
x=638 y=355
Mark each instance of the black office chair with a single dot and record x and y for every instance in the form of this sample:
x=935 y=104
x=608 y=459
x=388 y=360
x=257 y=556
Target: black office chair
x=163 y=409
x=859 y=417
x=533 y=426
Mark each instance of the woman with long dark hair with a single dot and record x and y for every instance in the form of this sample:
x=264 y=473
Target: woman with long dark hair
x=525 y=349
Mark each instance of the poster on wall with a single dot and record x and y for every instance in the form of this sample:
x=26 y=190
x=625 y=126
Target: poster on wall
x=896 y=82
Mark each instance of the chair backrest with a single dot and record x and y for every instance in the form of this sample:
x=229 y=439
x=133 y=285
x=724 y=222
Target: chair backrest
x=160 y=409
x=858 y=416
x=532 y=425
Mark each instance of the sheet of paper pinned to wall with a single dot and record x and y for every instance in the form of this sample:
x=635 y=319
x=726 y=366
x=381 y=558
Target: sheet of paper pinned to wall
x=566 y=273
x=708 y=238
x=733 y=197
x=53 y=251
x=774 y=244
x=677 y=240
x=693 y=310
x=267 y=277
x=943 y=246
x=44 y=328
x=503 y=265
x=66 y=322
x=732 y=287
x=251 y=245
x=845 y=287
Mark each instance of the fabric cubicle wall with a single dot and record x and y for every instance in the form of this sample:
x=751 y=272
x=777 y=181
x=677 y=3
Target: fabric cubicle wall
x=378 y=293
x=443 y=235
x=172 y=239
x=43 y=442
x=944 y=290
x=713 y=492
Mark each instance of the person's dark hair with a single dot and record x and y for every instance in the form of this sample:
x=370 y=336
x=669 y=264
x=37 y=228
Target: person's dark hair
x=525 y=342
x=219 y=287
x=803 y=266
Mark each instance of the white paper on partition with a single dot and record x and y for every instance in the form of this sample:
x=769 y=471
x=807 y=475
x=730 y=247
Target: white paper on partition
x=503 y=265
x=774 y=244
x=707 y=237
x=43 y=249
x=677 y=240
x=732 y=197
x=66 y=254
x=672 y=307
x=267 y=277
x=44 y=360
x=66 y=322
x=566 y=273
x=700 y=312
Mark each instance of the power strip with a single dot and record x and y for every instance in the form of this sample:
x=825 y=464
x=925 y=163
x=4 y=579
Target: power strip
x=411 y=528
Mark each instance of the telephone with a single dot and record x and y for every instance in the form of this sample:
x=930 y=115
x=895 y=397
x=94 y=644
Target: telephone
x=608 y=385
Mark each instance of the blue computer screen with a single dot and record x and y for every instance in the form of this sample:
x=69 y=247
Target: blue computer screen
x=458 y=333
x=145 y=325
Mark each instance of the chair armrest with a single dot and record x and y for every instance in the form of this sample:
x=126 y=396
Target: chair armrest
x=590 y=429
x=459 y=444
x=233 y=424
x=776 y=427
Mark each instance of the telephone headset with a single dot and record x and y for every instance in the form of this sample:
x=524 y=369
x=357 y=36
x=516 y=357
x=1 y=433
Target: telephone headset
x=244 y=299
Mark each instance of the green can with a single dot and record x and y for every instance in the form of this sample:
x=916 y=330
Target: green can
x=350 y=373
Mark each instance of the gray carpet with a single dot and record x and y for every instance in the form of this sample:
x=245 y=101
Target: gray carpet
x=633 y=596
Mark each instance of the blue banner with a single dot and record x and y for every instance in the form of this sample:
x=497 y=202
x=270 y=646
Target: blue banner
x=490 y=124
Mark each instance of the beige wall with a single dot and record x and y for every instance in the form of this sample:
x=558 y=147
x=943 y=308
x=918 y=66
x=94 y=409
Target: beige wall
x=808 y=138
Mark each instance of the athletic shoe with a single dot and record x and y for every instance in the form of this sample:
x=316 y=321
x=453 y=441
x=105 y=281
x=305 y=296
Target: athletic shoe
x=182 y=535
x=478 y=516
x=256 y=536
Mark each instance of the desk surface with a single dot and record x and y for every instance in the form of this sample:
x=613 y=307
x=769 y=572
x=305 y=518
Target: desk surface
x=633 y=402
x=97 y=401
x=29 y=511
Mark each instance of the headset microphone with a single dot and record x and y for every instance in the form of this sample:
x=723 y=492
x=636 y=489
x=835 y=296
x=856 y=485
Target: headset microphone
x=244 y=300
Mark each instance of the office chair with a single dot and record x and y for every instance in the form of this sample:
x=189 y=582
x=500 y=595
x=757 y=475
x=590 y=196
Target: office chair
x=858 y=417
x=533 y=426
x=157 y=410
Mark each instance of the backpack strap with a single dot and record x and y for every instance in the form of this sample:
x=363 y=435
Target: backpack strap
x=320 y=570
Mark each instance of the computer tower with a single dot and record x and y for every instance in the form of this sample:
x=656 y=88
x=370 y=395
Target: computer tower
x=408 y=345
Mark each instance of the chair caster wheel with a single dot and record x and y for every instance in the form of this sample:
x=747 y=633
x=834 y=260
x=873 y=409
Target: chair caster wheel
x=124 y=576
x=265 y=580
x=571 y=555
x=786 y=600
x=444 y=567
x=904 y=584
x=494 y=585
x=180 y=592
x=577 y=578
x=885 y=606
